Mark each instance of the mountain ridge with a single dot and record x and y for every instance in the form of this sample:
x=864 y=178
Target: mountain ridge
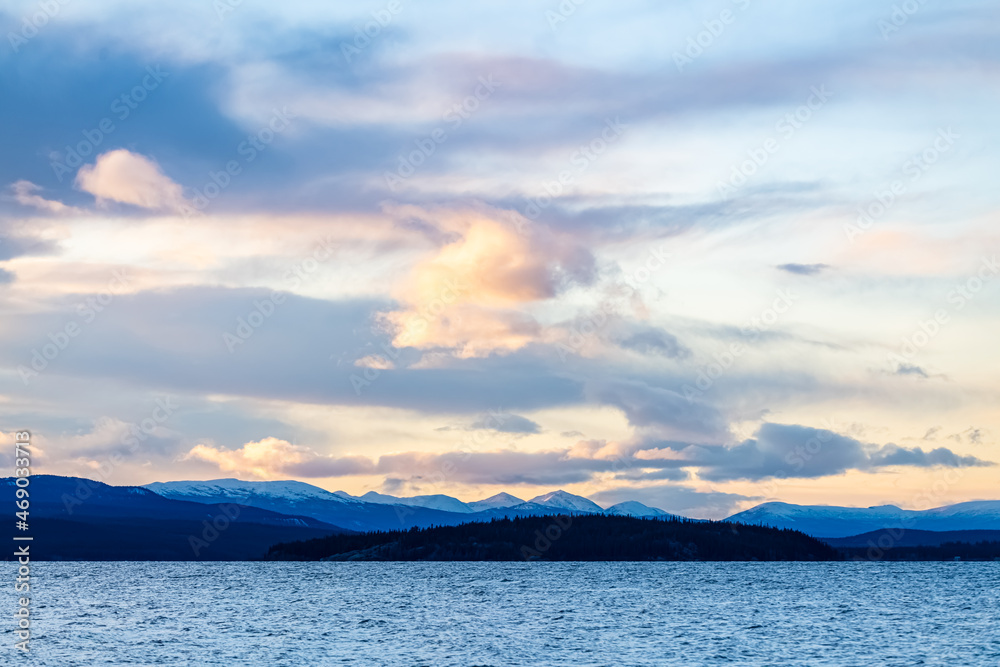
x=832 y=521
x=376 y=511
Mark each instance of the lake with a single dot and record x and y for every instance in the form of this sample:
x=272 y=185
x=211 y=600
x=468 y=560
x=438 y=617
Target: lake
x=300 y=614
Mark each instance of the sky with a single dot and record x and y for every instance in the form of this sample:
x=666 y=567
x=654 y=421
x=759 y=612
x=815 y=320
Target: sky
x=700 y=255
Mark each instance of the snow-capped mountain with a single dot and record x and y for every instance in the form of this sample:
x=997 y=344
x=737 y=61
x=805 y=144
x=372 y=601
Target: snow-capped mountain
x=435 y=502
x=227 y=490
x=378 y=511
x=635 y=508
x=562 y=500
x=832 y=521
x=969 y=510
x=499 y=501
x=298 y=498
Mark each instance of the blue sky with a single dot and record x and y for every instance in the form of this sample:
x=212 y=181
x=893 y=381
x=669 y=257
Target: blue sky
x=701 y=255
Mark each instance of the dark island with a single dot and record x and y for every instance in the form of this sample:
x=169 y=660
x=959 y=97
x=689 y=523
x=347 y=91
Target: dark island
x=590 y=537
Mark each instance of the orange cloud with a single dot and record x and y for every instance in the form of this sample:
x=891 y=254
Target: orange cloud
x=270 y=458
x=264 y=459
x=470 y=294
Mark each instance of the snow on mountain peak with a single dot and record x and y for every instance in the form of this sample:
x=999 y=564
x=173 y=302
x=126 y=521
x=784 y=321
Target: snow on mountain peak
x=235 y=488
x=434 y=502
x=833 y=521
x=564 y=500
x=635 y=508
x=499 y=501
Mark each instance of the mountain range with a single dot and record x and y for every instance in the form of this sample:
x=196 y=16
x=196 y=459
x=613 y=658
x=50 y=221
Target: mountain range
x=77 y=518
x=377 y=511
x=830 y=521
x=70 y=518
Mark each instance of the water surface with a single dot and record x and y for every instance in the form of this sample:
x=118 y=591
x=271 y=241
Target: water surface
x=446 y=614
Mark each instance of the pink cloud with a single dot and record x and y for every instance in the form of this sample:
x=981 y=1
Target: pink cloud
x=130 y=178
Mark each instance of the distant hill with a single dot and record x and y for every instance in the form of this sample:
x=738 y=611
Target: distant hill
x=73 y=518
x=584 y=537
x=890 y=538
x=832 y=521
x=434 y=502
x=499 y=501
x=635 y=508
x=567 y=501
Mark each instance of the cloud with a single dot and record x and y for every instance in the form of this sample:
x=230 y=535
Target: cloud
x=130 y=178
x=468 y=295
x=893 y=455
x=12 y=246
x=803 y=269
x=24 y=195
x=786 y=450
x=910 y=369
x=506 y=423
x=972 y=435
x=659 y=410
x=376 y=361
x=675 y=499
x=180 y=345
x=270 y=458
x=654 y=341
